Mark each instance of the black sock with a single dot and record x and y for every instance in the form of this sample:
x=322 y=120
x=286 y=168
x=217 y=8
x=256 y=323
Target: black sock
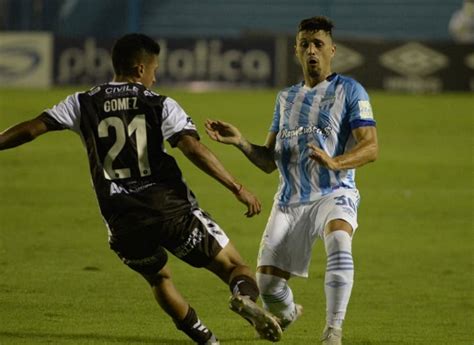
x=193 y=327
x=244 y=285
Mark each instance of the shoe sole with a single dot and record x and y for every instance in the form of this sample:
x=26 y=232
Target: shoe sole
x=265 y=324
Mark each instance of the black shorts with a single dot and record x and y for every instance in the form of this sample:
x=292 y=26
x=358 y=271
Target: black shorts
x=193 y=237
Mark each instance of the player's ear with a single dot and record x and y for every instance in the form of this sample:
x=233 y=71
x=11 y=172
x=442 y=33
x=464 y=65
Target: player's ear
x=333 y=49
x=139 y=70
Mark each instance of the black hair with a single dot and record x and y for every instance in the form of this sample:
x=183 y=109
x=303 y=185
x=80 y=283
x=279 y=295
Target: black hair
x=316 y=24
x=131 y=49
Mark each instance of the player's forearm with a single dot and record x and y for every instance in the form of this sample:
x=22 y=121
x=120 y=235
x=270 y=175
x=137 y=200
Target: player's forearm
x=208 y=162
x=17 y=135
x=361 y=154
x=260 y=156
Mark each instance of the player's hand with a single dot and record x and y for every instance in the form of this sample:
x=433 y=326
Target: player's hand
x=247 y=198
x=223 y=132
x=322 y=158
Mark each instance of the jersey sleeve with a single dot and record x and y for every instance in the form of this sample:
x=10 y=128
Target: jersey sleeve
x=176 y=122
x=359 y=108
x=67 y=113
x=275 y=126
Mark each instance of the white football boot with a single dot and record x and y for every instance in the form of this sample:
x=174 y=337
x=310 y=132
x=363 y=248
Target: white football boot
x=263 y=321
x=286 y=322
x=331 y=336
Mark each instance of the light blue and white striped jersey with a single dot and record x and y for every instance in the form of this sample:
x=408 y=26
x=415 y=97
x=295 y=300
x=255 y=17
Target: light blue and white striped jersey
x=325 y=116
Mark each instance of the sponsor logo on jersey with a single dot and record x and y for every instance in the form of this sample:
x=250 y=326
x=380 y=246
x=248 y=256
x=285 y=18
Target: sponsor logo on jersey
x=291 y=133
x=135 y=187
x=116 y=189
x=121 y=90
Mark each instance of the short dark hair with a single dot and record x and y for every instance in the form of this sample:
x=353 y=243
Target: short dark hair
x=316 y=24
x=130 y=49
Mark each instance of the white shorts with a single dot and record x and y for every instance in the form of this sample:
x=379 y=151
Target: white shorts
x=292 y=230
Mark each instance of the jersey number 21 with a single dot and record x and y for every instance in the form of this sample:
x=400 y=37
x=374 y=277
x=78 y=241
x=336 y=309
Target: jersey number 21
x=138 y=127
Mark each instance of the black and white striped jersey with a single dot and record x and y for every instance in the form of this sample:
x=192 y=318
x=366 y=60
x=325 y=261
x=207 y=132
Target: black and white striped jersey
x=123 y=127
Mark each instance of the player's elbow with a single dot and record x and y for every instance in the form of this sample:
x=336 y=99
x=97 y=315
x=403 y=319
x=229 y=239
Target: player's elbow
x=266 y=162
x=268 y=168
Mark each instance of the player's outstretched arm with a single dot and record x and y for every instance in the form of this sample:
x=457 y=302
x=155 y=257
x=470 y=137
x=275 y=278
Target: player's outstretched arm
x=204 y=159
x=365 y=151
x=226 y=133
x=22 y=133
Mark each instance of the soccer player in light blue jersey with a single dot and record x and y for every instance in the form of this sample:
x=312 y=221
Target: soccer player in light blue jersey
x=322 y=129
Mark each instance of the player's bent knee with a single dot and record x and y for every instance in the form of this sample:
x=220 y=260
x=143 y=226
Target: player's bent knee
x=148 y=266
x=228 y=264
x=232 y=255
x=269 y=284
x=274 y=271
x=228 y=258
x=338 y=224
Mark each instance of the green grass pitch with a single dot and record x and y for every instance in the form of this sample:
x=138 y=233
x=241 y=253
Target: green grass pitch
x=413 y=251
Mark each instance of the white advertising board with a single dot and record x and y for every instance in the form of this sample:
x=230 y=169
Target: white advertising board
x=26 y=59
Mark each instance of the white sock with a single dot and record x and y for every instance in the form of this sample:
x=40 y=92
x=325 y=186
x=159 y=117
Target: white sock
x=339 y=276
x=276 y=295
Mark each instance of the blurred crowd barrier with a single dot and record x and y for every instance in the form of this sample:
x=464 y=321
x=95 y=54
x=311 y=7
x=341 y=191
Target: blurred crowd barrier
x=40 y=59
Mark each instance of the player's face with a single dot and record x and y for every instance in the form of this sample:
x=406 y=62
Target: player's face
x=148 y=69
x=315 y=50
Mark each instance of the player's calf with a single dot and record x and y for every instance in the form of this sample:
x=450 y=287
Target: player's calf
x=277 y=298
x=245 y=286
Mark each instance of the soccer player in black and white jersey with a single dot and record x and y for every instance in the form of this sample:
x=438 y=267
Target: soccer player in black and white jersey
x=144 y=201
